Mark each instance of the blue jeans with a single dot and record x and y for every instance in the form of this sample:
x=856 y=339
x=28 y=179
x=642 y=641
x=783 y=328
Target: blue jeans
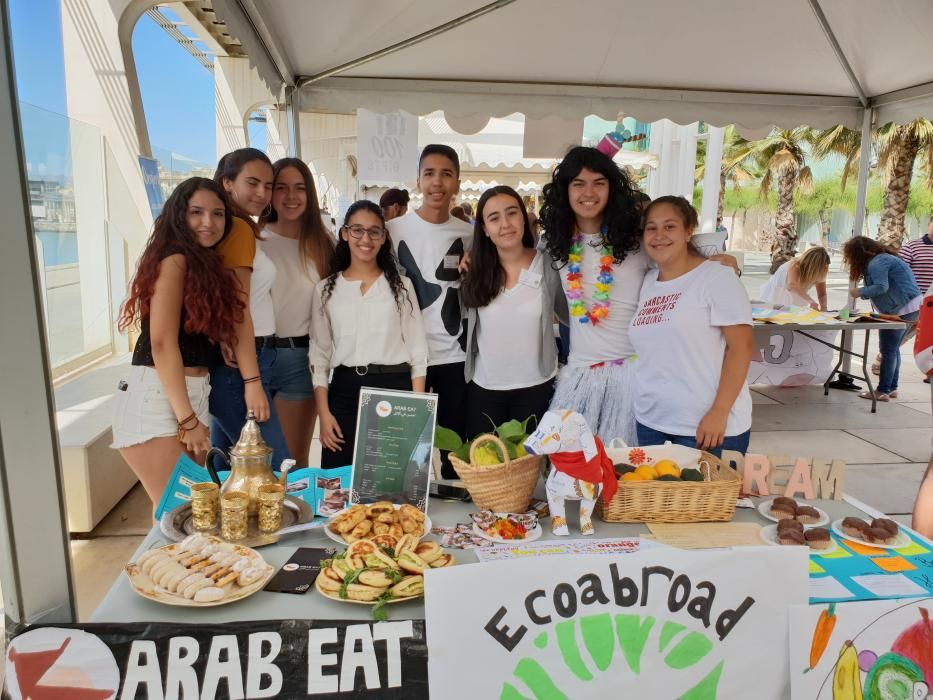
x=889 y=343
x=650 y=436
x=228 y=409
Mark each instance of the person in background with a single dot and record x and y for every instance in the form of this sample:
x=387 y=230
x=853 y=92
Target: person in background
x=918 y=255
x=394 y=203
x=242 y=385
x=692 y=332
x=468 y=211
x=510 y=297
x=892 y=289
x=365 y=326
x=297 y=242
x=185 y=303
x=791 y=283
x=458 y=213
x=430 y=245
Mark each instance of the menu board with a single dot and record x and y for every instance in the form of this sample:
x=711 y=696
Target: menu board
x=393 y=447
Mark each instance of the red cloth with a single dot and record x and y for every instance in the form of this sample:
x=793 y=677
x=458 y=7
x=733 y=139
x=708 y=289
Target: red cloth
x=597 y=470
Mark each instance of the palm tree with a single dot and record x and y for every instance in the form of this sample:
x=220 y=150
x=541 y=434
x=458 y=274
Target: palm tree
x=736 y=172
x=780 y=155
x=899 y=146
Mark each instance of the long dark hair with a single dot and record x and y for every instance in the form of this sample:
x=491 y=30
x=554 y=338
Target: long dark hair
x=858 y=252
x=485 y=280
x=385 y=258
x=314 y=241
x=621 y=217
x=211 y=304
x=229 y=167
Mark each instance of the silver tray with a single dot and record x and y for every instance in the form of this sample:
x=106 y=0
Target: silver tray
x=297 y=515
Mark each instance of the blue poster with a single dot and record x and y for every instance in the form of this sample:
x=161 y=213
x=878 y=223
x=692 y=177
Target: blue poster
x=150 y=169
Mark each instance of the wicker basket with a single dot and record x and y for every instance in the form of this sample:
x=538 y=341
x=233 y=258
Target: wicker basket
x=676 y=501
x=504 y=488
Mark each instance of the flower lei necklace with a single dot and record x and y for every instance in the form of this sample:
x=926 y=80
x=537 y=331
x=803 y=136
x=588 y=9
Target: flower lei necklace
x=600 y=308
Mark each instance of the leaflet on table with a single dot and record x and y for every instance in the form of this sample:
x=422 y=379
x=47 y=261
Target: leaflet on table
x=393 y=445
x=327 y=491
x=615 y=545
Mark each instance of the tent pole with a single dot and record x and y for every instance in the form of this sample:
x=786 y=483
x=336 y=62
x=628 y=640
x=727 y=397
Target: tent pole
x=293 y=118
x=863 y=165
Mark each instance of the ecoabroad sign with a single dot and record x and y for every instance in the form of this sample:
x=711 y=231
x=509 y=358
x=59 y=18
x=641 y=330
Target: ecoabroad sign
x=275 y=659
x=653 y=624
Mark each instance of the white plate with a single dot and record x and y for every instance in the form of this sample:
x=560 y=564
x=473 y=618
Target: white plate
x=145 y=587
x=426 y=527
x=903 y=539
x=535 y=533
x=765 y=509
x=768 y=535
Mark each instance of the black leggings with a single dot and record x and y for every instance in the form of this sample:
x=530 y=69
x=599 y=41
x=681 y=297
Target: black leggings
x=501 y=406
x=448 y=383
x=343 y=398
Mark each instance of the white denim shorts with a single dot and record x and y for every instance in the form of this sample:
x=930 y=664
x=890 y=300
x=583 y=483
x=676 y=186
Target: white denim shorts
x=141 y=410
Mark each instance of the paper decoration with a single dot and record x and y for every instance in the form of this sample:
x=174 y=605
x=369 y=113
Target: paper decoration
x=778 y=475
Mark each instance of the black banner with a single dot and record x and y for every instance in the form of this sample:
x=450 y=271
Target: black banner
x=269 y=659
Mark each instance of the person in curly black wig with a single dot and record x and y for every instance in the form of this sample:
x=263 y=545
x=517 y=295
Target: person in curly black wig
x=365 y=326
x=590 y=193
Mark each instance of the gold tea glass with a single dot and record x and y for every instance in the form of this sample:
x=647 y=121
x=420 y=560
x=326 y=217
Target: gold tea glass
x=205 y=505
x=271 y=499
x=234 y=515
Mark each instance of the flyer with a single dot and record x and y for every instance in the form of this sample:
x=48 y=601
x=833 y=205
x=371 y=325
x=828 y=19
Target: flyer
x=393 y=445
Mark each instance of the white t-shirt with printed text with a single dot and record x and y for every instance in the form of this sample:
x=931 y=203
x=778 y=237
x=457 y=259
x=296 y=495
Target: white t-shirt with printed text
x=676 y=334
x=430 y=255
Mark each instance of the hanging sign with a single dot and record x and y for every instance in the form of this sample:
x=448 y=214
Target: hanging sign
x=387 y=147
x=662 y=623
x=276 y=659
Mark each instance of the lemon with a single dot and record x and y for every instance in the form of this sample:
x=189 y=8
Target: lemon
x=646 y=473
x=485 y=457
x=520 y=450
x=667 y=467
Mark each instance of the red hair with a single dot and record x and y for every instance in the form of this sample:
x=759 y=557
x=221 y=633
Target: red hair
x=212 y=304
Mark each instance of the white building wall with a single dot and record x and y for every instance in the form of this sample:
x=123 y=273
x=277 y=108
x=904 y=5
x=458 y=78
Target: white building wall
x=238 y=91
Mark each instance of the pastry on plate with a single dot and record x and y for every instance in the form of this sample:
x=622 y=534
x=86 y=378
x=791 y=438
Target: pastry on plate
x=880 y=535
x=789 y=523
x=818 y=538
x=887 y=524
x=854 y=527
x=782 y=507
x=789 y=536
x=808 y=515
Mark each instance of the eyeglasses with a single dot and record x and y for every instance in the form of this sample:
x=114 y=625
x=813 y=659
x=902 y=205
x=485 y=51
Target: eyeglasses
x=357 y=231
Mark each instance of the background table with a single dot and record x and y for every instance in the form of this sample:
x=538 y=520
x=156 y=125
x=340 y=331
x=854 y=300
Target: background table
x=843 y=348
x=122 y=604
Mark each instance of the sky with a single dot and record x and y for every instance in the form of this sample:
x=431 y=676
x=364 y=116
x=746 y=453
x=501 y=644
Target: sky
x=178 y=93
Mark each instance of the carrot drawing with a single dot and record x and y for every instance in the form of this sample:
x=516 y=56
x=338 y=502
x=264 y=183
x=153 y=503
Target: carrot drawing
x=821 y=634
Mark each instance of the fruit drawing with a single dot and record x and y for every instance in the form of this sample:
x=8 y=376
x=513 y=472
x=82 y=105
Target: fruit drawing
x=822 y=631
x=916 y=643
x=894 y=678
x=847 y=681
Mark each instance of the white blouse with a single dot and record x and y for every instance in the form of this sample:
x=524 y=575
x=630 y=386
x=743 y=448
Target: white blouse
x=355 y=329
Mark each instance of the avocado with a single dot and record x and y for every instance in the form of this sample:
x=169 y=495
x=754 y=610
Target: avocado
x=691 y=475
x=622 y=468
x=668 y=477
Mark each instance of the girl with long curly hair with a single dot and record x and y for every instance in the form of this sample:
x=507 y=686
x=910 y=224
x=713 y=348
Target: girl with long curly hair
x=295 y=239
x=242 y=384
x=184 y=302
x=511 y=292
x=366 y=326
x=892 y=288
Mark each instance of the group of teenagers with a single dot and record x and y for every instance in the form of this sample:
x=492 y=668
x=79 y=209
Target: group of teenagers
x=245 y=302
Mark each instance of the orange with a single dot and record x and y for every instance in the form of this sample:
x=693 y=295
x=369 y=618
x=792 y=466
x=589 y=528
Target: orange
x=667 y=467
x=646 y=473
x=632 y=476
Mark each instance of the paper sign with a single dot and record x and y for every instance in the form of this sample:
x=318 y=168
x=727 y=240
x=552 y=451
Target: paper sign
x=785 y=358
x=387 y=147
x=886 y=586
x=707 y=535
x=866 y=646
x=392 y=448
x=652 y=624
x=828 y=588
x=618 y=545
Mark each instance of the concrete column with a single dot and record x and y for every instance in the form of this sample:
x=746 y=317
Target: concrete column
x=35 y=561
x=710 y=205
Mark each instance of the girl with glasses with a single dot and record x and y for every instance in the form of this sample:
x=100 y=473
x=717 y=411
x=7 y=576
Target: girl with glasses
x=365 y=326
x=242 y=384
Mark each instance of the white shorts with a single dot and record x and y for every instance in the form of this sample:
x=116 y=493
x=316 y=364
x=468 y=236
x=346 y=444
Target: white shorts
x=141 y=410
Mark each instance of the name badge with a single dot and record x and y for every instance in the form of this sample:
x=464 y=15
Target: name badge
x=529 y=279
x=451 y=262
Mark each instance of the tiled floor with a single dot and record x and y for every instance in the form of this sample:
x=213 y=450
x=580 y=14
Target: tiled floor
x=887 y=453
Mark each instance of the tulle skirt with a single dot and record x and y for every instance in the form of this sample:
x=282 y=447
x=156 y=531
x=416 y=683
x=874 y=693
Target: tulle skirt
x=603 y=395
